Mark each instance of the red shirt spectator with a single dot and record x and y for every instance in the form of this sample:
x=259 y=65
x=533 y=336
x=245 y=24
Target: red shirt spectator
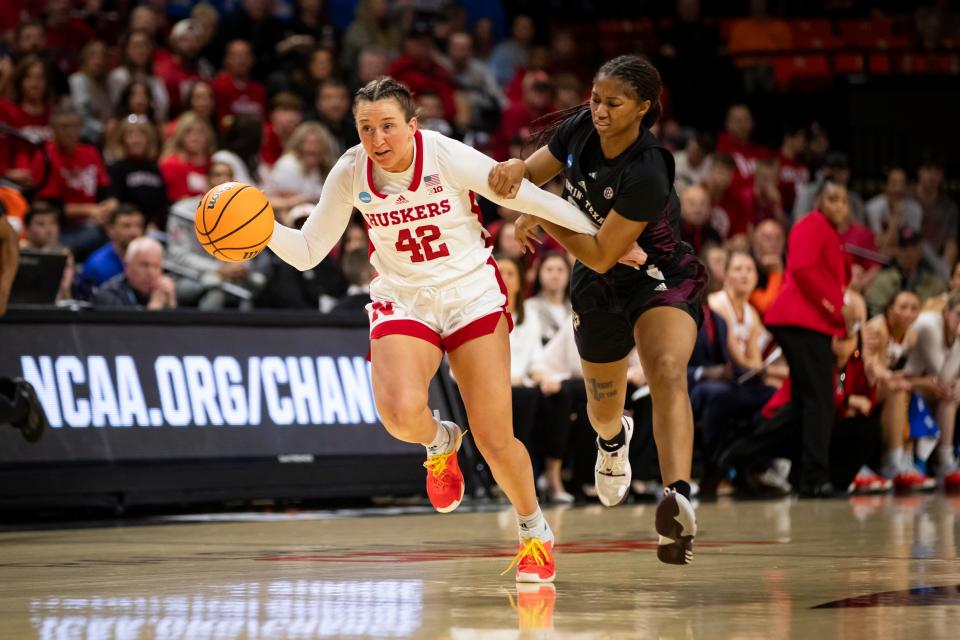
x=286 y=116
x=736 y=141
x=77 y=178
x=236 y=93
x=271 y=149
x=15 y=153
x=65 y=35
x=855 y=382
x=729 y=213
x=238 y=97
x=854 y=236
x=10 y=13
x=184 y=170
x=793 y=172
x=180 y=70
x=517 y=118
x=37 y=124
x=417 y=69
x=75 y=175
x=761 y=197
x=817 y=272
x=30 y=109
x=184 y=178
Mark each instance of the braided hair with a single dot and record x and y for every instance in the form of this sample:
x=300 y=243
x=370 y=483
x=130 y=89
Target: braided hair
x=386 y=87
x=640 y=78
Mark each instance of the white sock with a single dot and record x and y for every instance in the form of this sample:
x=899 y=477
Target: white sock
x=442 y=441
x=534 y=526
x=893 y=461
x=947 y=459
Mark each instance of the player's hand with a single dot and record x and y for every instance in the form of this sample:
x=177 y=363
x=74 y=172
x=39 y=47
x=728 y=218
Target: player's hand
x=505 y=177
x=634 y=257
x=525 y=229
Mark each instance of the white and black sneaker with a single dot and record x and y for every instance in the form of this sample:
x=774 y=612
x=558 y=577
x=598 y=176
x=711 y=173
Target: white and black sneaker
x=612 y=472
x=677 y=525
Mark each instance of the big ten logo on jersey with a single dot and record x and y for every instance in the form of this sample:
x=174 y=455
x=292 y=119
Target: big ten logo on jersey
x=432 y=182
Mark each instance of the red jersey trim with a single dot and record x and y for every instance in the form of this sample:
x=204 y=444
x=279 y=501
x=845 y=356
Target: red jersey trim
x=477 y=329
x=503 y=290
x=475 y=208
x=403 y=327
x=417 y=169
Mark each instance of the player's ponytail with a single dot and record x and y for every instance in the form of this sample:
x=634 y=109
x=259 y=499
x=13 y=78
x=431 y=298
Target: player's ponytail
x=541 y=130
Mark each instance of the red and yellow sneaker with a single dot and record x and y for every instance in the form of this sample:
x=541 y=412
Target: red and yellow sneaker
x=445 y=483
x=534 y=561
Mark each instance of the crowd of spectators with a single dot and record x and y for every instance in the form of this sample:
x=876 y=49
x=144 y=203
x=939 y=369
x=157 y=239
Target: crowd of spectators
x=117 y=120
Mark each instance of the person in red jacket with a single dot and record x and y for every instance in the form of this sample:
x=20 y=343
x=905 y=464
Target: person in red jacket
x=805 y=316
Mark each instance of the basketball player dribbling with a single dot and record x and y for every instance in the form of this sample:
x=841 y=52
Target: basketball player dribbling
x=622 y=179
x=438 y=289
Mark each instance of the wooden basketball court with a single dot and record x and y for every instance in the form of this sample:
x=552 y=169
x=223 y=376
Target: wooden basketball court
x=874 y=568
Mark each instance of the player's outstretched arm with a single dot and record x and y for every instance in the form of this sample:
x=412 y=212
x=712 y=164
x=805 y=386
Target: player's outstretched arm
x=602 y=251
x=305 y=248
x=471 y=169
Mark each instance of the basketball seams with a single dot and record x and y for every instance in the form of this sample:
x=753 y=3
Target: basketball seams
x=224 y=208
x=200 y=208
x=252 y=218
x=265 y=240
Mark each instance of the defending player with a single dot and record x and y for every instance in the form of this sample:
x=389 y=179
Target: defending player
x=438 y=290
x=622 y=180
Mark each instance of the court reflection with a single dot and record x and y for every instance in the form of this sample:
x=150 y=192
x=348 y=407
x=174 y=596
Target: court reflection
x=277 y=609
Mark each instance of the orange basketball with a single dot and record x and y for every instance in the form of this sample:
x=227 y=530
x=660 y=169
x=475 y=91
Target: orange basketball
x=234 y=222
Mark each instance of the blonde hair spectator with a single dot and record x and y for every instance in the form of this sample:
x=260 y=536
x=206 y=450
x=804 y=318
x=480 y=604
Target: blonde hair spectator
x=185 y=124
x=298 y=175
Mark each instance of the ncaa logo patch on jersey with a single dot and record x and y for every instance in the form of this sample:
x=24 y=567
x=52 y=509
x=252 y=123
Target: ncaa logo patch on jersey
x=608 y=193
x=569 y=160
x=364 y=197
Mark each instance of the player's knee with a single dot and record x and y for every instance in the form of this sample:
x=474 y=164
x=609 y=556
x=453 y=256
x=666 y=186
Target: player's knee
x=669 y=372
x=400 y=411
x=493 y=446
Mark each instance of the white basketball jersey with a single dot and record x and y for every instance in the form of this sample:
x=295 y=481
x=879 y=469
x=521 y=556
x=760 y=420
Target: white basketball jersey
x=429 y=234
